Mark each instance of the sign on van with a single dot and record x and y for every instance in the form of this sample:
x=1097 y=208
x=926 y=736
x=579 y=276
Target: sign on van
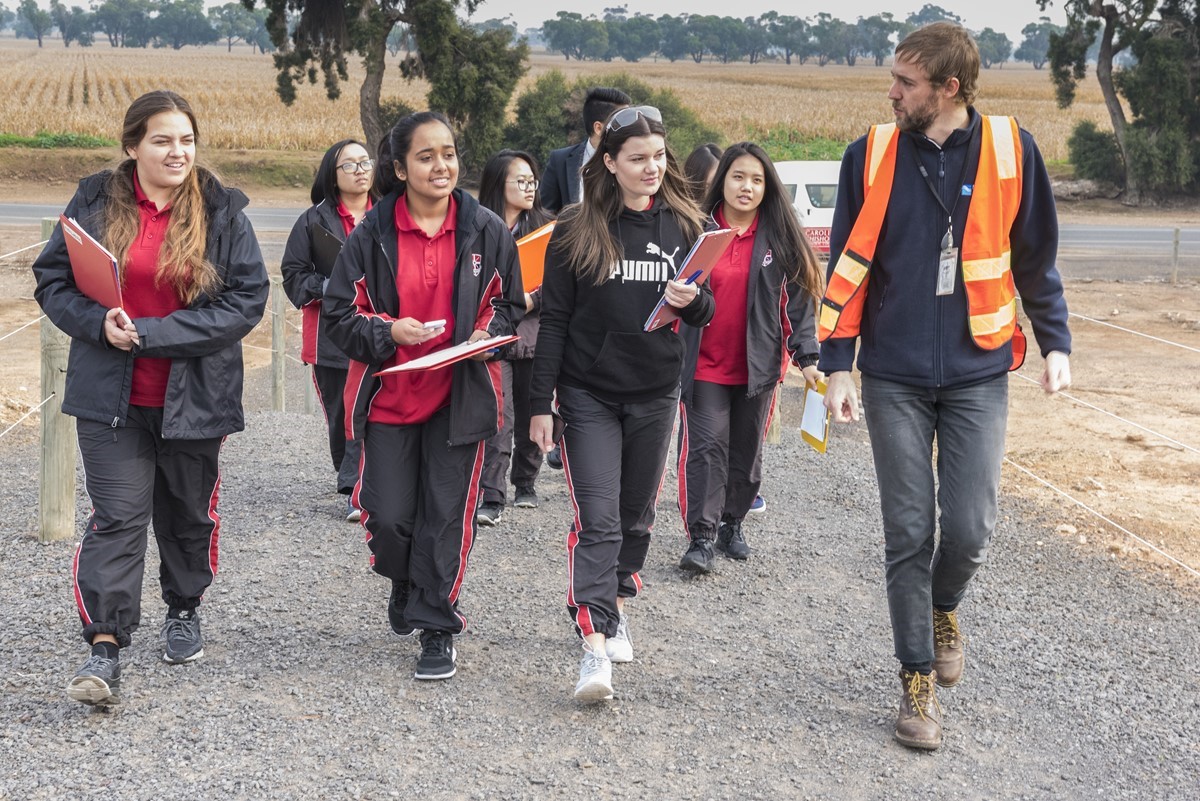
x=812 y=186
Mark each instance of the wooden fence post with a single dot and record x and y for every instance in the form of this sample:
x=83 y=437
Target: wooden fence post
x=1175 y=260
x=310 y=394
x=775 y=429
x=56 y=490
x=277 y=343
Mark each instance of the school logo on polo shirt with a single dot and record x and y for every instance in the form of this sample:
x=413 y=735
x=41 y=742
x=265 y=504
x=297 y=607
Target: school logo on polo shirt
x=767 y=259
x=476 y=264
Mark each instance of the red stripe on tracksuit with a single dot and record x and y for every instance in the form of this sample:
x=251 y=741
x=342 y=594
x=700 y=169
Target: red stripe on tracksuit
x=583 y=618
x=468 y=526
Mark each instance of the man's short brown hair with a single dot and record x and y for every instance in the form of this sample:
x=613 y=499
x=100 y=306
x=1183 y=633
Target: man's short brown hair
x=944 y=50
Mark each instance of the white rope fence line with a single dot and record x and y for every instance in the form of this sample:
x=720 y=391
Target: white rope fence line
x=27 y=414
x=1108 y=520
x=1136 y=333
x=22 y=328
x=27 y=247
x=1151 y=431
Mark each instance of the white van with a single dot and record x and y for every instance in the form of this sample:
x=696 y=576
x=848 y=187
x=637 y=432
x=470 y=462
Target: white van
x=813 y=189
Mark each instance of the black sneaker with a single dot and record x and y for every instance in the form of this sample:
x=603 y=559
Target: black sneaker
x=525 y=498
x=437 y=656
x=181 y=637
x=396 y=603
x=554 y=458
x=699 y=557
x=97 y=682
x=489 y=514
x=730 y=540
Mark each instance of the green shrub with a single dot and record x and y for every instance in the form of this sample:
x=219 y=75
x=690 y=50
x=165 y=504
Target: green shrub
x=550 y=115
x=1162 y=160
x=788 y=144
x=1095 y=154
x=543 y=122
x=47 y=140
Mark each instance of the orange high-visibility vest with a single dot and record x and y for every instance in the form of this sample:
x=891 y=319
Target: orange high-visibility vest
x=986 y=256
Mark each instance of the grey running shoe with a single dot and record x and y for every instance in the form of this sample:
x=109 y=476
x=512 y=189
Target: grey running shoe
x=620 y=647
x=181 y=637
x=97 y=682
x=731 y=541
x=595 y=678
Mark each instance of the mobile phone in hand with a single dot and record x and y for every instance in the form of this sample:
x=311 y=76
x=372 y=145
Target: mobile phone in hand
x=434 y=324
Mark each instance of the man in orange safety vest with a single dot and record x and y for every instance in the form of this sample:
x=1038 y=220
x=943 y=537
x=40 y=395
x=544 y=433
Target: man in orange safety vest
x=942 y=218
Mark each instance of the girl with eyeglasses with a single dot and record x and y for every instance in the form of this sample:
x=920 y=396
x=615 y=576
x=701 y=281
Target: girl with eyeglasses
x=766 y=287
x=342 y=193
x=611 y=258
x=509 y=188
x=155 y=386
x=427 y=268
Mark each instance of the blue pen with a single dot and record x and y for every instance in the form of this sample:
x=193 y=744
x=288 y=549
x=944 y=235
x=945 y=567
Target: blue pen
x=691 y=279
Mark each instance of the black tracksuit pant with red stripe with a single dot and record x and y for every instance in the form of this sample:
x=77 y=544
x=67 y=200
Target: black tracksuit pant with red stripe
x=331 y=387
x=615 y=458
x=419 y=496
x=133 y=477
x=720 y=455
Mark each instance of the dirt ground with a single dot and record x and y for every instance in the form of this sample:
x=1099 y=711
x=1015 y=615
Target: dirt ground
x=1132 y=476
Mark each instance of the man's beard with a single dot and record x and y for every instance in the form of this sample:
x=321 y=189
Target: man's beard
x=920 y=118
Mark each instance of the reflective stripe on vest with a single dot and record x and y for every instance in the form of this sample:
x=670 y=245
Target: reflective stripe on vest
x=986 y=257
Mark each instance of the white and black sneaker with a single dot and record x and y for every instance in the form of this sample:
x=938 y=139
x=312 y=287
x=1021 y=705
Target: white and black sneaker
x=619 y=648
x=489 y=514
x=181 y=637
x=437 y=656
x=525 y=498
x=595 y=678
x=97 y=682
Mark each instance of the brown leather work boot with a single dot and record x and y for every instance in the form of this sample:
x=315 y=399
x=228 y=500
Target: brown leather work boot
x=919 y=724
x=947 y=648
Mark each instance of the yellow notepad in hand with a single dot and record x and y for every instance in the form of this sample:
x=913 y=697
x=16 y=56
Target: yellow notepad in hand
x=814 y=420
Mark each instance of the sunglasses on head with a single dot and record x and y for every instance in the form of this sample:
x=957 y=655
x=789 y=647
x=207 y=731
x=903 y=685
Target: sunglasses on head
x=628 y=116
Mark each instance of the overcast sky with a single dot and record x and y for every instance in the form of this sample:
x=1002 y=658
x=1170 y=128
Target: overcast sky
x=1006 y=17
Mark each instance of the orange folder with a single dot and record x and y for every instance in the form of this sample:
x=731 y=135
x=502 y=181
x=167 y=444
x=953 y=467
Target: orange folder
x=92 y=266
x=531 y=250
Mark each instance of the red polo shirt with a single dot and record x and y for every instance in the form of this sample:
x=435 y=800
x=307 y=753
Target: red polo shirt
x=723 y=342
x=425 y=285
x=143 y=299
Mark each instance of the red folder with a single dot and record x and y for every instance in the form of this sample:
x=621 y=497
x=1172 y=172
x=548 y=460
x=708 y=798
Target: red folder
x=450 y=355
x=531 y=250
x=92 y=266
x=695 y=270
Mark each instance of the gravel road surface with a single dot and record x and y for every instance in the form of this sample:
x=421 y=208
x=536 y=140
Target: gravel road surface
x=770 y=679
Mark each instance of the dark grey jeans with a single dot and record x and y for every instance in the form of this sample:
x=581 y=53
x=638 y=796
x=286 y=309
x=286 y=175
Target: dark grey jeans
x=968 y=425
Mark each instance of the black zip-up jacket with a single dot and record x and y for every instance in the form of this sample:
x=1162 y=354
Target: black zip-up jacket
x=361 y=302
x=204 y=391
x=592 y=336
x=302 y=282
x=909 y=334
x=768 y=295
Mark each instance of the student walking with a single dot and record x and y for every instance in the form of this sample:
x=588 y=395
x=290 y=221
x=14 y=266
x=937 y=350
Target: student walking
x=509 y=188
x=156 y=386
x=611 y=259
x=954 y=217
x=427 y=268
x=766 y=287
x=342 y=193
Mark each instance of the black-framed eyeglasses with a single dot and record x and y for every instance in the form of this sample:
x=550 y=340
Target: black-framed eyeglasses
x=524 y=184
x=628 y=116
x=351 y=167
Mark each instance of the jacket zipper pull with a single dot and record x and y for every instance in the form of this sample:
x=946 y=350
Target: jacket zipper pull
x=115 y=421
x=942 y=164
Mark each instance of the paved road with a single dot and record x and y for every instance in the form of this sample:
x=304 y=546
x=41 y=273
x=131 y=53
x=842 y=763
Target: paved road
x=1086 y=251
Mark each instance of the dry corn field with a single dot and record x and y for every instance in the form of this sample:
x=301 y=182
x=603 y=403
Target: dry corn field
x=86 y=90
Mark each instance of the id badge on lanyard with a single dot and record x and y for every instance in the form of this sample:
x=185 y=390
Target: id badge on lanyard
x=947 y=263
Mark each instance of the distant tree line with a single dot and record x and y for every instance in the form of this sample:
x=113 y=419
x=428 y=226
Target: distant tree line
x=140 y=23
x=822 y=39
